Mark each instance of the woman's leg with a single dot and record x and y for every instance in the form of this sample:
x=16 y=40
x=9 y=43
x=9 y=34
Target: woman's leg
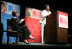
x=27 y=34
x=42 y=32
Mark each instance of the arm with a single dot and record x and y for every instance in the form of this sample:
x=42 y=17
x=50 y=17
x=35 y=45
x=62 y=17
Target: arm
x=45 y=14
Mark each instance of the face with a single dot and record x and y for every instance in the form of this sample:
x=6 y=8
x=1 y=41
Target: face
x=17 y=14
x=48 y=8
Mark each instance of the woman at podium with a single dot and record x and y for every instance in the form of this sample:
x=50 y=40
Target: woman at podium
x=46 y=12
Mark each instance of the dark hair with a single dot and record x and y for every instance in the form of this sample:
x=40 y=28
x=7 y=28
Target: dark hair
x=46 y=5
x=14 y=13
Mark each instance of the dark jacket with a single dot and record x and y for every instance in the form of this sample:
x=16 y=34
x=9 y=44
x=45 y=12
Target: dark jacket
x=16 y=25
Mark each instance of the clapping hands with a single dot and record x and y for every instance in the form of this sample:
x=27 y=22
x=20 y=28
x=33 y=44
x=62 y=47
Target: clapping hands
x=22 y=20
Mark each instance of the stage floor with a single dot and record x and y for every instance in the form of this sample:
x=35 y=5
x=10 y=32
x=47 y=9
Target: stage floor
x=21 y=44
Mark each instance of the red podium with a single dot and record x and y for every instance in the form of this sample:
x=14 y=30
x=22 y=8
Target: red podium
x=57 y=27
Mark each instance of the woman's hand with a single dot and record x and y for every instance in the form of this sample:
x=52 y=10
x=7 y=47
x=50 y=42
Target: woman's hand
x=22 y=20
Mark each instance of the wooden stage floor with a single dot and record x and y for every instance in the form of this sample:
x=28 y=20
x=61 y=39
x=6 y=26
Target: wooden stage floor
x=35 y=45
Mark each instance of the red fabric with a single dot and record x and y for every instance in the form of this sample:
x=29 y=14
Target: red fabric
x=36 y=13
x=63 y=13
x=34 y=27
x=63 y=19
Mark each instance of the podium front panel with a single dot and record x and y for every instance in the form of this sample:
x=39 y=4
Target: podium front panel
x=55 y=33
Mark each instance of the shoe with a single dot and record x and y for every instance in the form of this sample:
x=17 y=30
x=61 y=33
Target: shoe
x=32 y=38
x=26 y=42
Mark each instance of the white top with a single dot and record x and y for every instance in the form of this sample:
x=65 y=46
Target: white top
x=14 y=17
x=44 y=14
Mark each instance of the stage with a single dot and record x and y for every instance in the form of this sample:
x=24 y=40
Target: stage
x=56 y=30
x=36 y=45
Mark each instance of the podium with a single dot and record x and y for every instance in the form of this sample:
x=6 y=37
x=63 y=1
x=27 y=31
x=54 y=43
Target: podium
x=56 y=29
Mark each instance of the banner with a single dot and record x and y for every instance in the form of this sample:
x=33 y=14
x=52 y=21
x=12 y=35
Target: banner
x=7 y=7
x=11 y=7
x=63 y=20
x=32 y=21
x=3 y=7
x=6 y=13
x=33 y=13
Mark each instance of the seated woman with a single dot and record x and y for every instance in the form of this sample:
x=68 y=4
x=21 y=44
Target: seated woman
x=21 y=28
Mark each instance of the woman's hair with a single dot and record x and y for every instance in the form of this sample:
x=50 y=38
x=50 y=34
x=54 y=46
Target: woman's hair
x=46 y=5
x=14 y=13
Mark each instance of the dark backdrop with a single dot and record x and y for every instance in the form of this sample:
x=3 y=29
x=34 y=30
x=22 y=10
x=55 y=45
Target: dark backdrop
x=63 y=5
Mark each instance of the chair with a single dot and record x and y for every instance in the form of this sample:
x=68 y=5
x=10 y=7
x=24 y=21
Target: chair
x=11 y=31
